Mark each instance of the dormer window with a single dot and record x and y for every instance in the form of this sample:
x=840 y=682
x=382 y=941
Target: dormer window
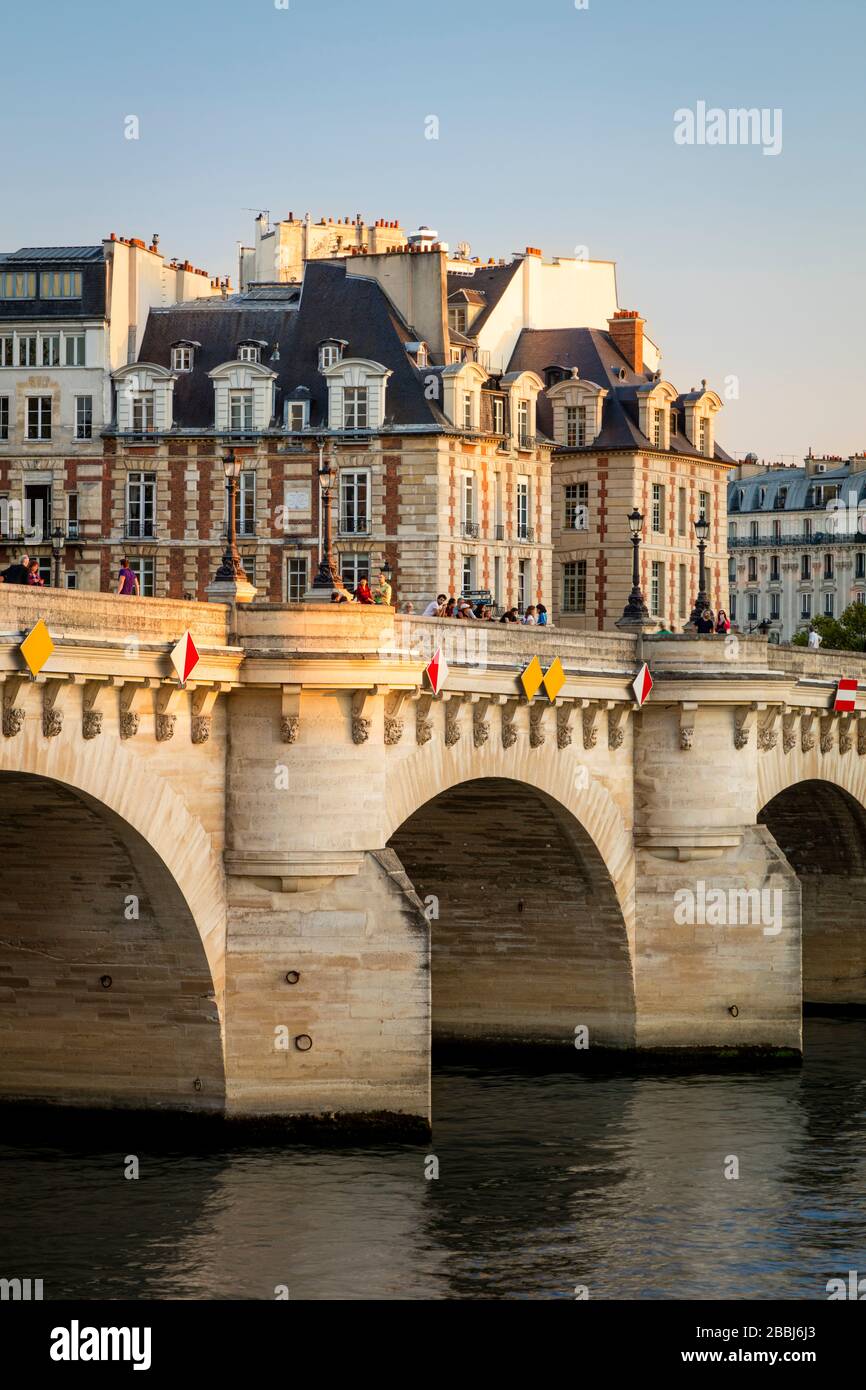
x=575 y=426
x=249 y=352
x=297 y=413
x=457 y=318
x=355 y=407
x=182 y=357
x=330 y=354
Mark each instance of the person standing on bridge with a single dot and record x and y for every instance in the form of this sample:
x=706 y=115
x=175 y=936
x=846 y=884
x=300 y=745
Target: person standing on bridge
x=814 y=638
x=34 y=578
x=16 y=573
x=127 y=579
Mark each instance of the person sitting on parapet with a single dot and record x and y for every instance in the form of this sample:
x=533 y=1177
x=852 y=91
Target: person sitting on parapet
x=363 y=593
x=340 y=593
x=436 y=607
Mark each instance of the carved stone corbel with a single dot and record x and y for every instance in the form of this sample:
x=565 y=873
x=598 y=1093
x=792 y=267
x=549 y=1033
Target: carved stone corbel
x=52 y=717
x=768 y=735
x=827 y=742
x=744 y=718
x=846 y=741
x=204 y=697
x=91 y=717
x=509 y=732
x=453 y=706
x=589 y=718
x=789 y=731
x=564 y=712
x=861 y=734
x=480 y=722
x=617 y=718
x=807 y=731
x=129 y=718
x=362 y=703
x=688 y=711
x=393 y=723
x=290 y=712
x=423 y=722
x=537 y=711
x=165 y=698
x=13 y=715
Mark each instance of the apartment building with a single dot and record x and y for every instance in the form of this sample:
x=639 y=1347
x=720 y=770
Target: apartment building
x=437 y=467
x=796 y=542
x=69 y=316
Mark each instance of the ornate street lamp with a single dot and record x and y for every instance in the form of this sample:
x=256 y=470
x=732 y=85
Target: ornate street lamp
x=635 y=611
x=702 y=531
x=231 y=568
x=56 y=555
x=327 y=577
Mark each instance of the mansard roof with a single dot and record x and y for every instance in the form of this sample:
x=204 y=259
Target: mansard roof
x=332 y=306
x=593 y=352
x=798 y=485
x=485 y=286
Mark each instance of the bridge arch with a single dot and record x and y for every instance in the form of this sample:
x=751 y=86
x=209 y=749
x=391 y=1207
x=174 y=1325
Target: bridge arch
x=411 y=782
x=89 y=838
x=819 y=824
x=529 y=891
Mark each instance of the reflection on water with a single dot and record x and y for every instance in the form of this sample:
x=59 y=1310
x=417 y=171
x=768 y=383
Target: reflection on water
x=546 y=1181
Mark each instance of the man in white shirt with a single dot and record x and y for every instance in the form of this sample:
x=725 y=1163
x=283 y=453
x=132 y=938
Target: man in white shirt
x=814 y=638
x=436 y=607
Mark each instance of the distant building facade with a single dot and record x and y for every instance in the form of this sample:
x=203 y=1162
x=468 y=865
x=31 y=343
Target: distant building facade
x=69 y=316
x=797 y=542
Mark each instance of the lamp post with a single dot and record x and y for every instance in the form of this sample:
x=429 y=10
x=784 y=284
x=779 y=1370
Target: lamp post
x=327 y=577
x=702 y=531
x=231 y=568
x=56 y=555
x=635 y=611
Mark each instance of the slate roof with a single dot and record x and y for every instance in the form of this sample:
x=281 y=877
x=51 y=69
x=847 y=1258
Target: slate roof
x=799 y=485
x=490 y=282
x=55 y=253
x=332 y=305
x=597 y=359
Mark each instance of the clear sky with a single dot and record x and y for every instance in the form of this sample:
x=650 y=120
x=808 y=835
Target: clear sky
x=556 y=129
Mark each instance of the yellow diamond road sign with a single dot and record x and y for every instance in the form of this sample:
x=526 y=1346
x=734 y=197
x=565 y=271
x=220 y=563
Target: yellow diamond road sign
x=531 y=678
x=554 y=679
x=37 y=647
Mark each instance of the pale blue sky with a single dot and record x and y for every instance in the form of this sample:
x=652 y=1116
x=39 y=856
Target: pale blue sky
x=556 y=130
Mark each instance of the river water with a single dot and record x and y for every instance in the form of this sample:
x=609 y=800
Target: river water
x=548 y=1180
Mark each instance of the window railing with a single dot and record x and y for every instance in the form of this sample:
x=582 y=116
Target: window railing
x=354 y=525
x=525 y=441
x=524 y=532
x=470 y=530
x=818 y=538
x=500 y=531
x=139 y=530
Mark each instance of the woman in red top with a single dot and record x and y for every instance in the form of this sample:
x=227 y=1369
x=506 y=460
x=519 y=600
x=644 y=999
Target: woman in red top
x=363 y=593
x=33 y=575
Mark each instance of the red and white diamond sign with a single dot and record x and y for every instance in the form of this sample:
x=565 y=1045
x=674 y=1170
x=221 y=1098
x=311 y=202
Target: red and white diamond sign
x=184 y=657
x=846 y=694
x=437 y=671
x=642 y=684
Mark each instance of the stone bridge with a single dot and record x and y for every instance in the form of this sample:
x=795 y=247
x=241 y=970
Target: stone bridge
x=264 y=893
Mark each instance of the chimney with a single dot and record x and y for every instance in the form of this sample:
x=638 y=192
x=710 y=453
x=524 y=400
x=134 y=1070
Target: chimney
x=626 y=330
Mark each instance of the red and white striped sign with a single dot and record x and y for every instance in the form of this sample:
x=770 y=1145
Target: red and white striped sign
x=642 y=684
x=437 y=671
x=184 y=657
x=846 y=694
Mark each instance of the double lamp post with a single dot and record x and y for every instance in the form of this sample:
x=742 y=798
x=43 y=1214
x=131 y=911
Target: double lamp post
x=636 y=613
